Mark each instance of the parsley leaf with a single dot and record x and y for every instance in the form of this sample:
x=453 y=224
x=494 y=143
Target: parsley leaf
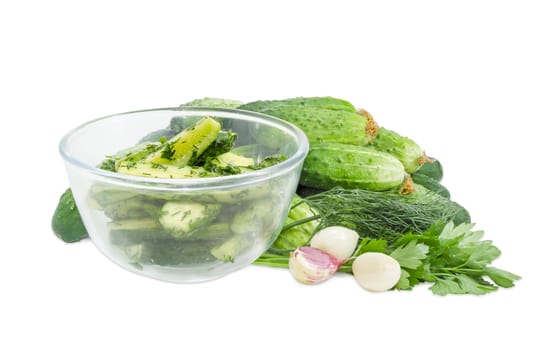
x=475 y=286
x=502 y=278
x=371 y=245
x=404 y=282
x=451 y=232
x=446 y=286
x=411 y=255
x=366 y=245
x=453 y=258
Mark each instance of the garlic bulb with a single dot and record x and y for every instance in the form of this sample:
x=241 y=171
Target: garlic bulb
x=338 y=241
x=311 y=265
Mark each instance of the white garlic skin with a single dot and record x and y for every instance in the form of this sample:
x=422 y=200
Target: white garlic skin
x=310 y=265
x=338 y=241
x=376 y=272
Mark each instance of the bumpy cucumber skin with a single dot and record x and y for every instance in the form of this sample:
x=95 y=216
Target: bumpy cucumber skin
x=405 y=149
x=334 y=164
x=327 y=102
x=321 y=125
x=299 y=235
x=213 y=102
x=433 y=169
x=430 y=184
x=331 y=121
x=66 y=221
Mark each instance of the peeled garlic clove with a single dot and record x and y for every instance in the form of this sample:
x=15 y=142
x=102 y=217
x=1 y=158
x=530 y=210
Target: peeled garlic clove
x=376 y=272
x=338 y=241
x=311 y=265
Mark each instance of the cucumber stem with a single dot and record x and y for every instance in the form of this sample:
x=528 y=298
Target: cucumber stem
x=407 y=186
x=372 y=128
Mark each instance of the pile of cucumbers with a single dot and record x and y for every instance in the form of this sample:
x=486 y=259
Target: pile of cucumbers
x=347 y=149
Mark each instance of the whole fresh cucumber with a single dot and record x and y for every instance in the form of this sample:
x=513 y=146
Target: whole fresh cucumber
x=405 y=149
x=322 y=119
x=432 y=168
x=213 y=102
x=431 y=184
x=335 y=164
x=66 y=222
x=330 y=103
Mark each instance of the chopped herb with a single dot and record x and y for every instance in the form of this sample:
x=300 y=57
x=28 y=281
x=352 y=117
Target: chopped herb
x=159 y=166
x=270 y=161
x=131 y=164
x=108 y=164
x=169 y=151
x=185 y=214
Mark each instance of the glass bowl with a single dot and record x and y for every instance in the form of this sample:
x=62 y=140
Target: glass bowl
x=121 y=212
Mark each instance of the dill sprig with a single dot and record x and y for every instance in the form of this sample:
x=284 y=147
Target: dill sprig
x=381 y=215
x=384 y=216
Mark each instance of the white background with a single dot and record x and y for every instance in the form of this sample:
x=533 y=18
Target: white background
x=467 y=80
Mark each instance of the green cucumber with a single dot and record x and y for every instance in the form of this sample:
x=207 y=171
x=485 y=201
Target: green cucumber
x=232 y=159
x=330 y=103
x=223 y=143
x=213 y=102
x=188 y=145
x=405 y=149
x=66 y=222
x=433 y=169
x=231 y=248
x=213 y=231
x=334 y=164
x=162 y=171
x=299 y=235
x=134 y=231
x=136 y=153
x=171 y=253
x=322 y=119
x=257 y=216
x=183 y=218
x=102 y=195
x=134 y=207
x=431 y=184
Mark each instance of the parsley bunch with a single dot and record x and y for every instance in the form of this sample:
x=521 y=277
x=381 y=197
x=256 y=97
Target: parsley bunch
x=453 y=258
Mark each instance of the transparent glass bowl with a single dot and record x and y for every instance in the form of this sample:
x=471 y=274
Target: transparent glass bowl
x=121 y=211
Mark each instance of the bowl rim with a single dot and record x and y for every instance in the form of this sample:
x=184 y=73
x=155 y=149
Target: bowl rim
x=198 y=183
